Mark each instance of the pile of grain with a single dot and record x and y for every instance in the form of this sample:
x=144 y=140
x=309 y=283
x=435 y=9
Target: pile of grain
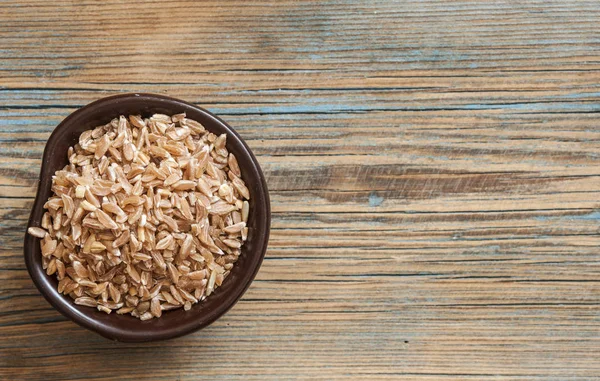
x=149 y=215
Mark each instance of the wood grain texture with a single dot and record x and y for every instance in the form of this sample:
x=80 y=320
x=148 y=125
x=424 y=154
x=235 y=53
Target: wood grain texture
x=433 y=168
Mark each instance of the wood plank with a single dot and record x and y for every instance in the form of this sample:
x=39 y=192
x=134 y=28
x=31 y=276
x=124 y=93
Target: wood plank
x=433 y=169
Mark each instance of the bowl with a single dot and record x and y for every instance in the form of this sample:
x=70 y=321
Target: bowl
x=174 y=323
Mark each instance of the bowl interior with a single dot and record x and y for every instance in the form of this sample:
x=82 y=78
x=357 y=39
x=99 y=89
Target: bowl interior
x=172 y=323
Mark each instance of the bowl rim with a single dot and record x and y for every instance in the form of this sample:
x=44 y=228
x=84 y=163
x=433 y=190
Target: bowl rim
x=83 y=319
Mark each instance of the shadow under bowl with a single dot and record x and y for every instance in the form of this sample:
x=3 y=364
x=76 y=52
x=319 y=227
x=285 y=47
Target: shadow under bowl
x=174 y=323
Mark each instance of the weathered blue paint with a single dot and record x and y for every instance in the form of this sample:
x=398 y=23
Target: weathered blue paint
x=538 y=107
x=582 y=95
x=593 y=216
x=375 y=200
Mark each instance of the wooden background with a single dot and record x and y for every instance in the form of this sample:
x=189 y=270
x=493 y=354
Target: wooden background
x=434 y=176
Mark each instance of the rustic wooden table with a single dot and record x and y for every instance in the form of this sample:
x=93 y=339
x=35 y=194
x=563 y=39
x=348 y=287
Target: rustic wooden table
x=434 y=176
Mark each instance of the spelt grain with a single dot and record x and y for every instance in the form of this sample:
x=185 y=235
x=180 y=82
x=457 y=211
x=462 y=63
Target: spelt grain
x=145 y=206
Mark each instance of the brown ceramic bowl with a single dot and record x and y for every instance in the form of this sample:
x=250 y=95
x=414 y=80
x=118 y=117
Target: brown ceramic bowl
x=177 y=322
